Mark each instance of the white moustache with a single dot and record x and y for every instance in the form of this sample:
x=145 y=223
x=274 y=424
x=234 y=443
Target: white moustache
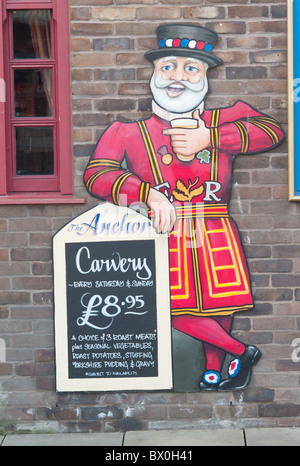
x=185 y=101
x=162 y=84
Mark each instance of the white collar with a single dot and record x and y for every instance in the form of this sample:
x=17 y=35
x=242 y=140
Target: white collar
x=165 y=115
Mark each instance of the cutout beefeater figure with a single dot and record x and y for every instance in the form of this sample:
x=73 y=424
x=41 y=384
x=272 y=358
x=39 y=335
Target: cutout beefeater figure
x=183 y=174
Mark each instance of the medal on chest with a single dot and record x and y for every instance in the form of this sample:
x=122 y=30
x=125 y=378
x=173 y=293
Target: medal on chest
x=166 y=157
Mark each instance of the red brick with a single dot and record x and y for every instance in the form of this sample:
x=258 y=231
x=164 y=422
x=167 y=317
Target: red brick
x=158 y=13
x=279 y=410
x=3 y=254
x=114 y=14
x=204 y=12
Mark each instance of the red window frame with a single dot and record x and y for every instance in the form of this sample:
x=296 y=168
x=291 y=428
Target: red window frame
x=56 y=188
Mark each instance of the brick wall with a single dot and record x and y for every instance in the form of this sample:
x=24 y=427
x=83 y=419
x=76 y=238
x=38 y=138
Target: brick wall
x=110 y=81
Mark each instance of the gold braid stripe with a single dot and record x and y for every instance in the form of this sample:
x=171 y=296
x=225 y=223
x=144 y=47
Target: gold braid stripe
x=266 y=129
x=196 y=267
x=215 y=118
x=91 y=180
x=214 y=168
x=244 y=136
x=103 y=163
x=202 y=211
x=265 y=119
x=116 y=188
x=144 y=192
x=214 y=138
x=155 y=168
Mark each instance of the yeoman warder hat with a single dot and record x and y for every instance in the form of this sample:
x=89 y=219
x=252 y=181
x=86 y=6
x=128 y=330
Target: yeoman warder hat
x=185 y=40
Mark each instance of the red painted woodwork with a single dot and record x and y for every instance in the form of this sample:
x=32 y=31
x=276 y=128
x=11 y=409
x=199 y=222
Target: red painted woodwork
x=57 y=187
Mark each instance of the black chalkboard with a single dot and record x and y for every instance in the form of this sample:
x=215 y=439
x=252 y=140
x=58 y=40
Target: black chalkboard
x=111 y=309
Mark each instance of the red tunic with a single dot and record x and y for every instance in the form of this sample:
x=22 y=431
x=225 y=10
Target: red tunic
x=208 y=269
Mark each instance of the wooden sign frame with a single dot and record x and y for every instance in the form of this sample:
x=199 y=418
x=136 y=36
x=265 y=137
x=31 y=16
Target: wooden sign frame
x=294 y=98
x=85 y=230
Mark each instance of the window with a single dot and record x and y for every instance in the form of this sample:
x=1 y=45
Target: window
x=35 y=147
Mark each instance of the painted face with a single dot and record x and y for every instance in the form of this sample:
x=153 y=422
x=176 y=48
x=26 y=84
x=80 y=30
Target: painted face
x=179 y=84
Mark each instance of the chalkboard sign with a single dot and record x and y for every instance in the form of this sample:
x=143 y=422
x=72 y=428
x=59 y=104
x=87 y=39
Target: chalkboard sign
x=112 y=290
x=294 y=98
x=112 y=305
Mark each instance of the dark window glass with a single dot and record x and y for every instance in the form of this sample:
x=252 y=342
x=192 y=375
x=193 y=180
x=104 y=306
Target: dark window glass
x=33 y=93
x=34 y=151
x=31 y=34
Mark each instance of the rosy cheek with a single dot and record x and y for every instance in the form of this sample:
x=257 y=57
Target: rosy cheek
x=164 y=75
x=195 y=79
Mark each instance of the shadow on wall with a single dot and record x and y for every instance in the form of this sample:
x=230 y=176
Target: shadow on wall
x=189 y=362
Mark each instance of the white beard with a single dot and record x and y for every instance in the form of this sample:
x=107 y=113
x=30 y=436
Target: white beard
x=189 y=100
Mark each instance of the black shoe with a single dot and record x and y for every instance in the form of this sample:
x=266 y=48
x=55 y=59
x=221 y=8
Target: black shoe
x=210 y=381
x=208 y=387
x=240 y=370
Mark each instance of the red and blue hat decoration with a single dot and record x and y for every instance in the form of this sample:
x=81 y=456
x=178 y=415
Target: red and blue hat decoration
x=185 y=40
x=186 y=43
